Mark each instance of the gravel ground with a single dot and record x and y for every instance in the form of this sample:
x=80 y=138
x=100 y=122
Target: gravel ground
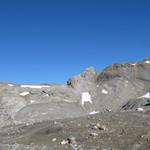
x=105 y=131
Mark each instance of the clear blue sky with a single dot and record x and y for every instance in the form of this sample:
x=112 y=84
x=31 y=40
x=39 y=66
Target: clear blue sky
x=44 y=41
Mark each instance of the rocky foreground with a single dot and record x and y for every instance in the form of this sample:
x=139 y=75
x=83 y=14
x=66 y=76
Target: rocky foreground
x=106 y=110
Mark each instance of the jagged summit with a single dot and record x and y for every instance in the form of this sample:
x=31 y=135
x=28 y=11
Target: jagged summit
x=143 y=63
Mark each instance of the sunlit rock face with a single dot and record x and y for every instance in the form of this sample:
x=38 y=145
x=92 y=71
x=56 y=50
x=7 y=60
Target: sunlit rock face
x=118 y=87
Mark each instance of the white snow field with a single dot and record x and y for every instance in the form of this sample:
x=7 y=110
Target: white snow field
x=85 y=97
x=35 y=86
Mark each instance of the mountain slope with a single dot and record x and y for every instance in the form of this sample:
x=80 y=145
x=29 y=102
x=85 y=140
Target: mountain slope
x=115 y=88
x=119 y=94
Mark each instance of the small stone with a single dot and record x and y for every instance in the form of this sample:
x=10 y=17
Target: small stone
x=104 y=128
x=101 y=127
x=64 y=142
x=94 y=127
x=98 y=125
x=108 y=110
x=73 y=143
x=88 y=117
x=79 y=125
x=72 y=140
x=54 y=140
x=93 y=134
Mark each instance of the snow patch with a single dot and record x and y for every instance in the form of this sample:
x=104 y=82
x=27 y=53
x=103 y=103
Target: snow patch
x=85 y=97
x=35 y=86
x=147 y=62
x=140 y=109
x=46 y=95
x=104 y=91
x=24 y=93
x=134 y=64
x=93 y=112
x=147 y=95
x=10 y=85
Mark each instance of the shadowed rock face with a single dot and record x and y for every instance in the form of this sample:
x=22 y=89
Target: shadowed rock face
x=115 y=88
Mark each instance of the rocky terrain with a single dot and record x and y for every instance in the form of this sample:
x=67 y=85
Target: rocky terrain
x=106 y=110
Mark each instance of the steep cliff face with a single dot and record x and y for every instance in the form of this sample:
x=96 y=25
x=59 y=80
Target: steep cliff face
x=123 y=82
x=118 y=87
x=113 y=87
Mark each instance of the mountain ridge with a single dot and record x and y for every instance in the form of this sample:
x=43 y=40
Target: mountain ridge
x=119 y=88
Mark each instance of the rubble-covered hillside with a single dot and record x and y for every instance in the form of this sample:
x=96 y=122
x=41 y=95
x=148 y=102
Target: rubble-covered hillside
x=109 y=110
